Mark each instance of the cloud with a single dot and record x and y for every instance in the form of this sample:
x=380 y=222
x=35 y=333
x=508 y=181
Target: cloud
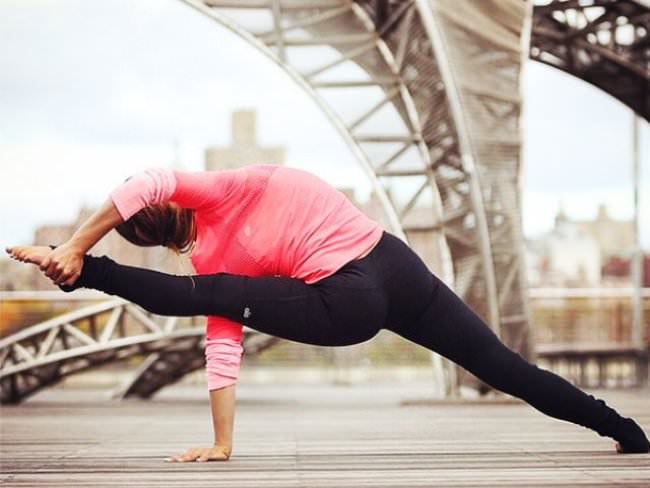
x=577 y=137
x=47 y=181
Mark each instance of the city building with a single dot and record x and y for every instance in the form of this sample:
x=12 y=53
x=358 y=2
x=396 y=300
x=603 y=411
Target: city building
x=567 y=256
x=614 y=237
x=582 y=253
x=243 y=149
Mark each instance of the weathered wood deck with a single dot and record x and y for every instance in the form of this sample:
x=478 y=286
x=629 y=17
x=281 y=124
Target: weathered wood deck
x=311 y=437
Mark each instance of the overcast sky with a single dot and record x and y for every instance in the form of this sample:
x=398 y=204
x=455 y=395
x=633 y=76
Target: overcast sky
x=92 y=91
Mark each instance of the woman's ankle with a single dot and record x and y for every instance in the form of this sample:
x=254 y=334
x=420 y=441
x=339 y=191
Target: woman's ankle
x=632 y=438
x=95 y=274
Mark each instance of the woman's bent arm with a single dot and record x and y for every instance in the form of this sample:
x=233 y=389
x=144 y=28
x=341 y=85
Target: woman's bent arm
x=98 y=224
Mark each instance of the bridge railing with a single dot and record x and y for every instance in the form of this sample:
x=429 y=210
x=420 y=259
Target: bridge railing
x=585 y=335
x=589 y=315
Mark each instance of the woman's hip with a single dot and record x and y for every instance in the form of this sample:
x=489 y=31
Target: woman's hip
x=392 y=280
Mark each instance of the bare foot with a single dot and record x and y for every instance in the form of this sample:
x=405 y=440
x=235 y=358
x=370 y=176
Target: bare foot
x=29 y=254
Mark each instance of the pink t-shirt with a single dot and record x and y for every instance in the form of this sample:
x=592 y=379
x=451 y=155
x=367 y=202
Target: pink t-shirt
x=260 y=220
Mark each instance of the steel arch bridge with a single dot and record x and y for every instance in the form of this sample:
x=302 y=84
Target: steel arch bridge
x=115 y=330
x=449 y=72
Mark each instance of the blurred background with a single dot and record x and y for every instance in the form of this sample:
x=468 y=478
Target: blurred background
x=92 y=92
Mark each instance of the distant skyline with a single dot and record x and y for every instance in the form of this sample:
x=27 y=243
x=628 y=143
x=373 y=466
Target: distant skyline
x=92 y=91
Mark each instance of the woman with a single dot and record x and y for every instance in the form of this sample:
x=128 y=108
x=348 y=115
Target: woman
x=280 y=251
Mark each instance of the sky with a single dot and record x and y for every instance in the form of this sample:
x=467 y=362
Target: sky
x=91 y=92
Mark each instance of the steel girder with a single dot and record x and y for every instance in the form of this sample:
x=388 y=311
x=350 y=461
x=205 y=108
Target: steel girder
x=41 y=355
x=483 y=46
x=604 y=42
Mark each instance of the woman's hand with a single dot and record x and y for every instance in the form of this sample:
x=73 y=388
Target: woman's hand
x=63 y=265
x=215 y=453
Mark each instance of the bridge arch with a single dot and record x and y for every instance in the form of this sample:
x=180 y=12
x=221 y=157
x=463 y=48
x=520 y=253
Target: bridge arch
x=111 y=331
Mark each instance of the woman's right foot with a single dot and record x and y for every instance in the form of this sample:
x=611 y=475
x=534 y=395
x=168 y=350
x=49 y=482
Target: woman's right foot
x=631 y=439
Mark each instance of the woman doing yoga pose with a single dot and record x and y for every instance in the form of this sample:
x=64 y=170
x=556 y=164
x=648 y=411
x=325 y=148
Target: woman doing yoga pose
x=281 y=251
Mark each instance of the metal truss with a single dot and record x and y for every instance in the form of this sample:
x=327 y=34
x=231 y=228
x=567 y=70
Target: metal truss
x=116 y=330
x=604 y=42
x=481 y=70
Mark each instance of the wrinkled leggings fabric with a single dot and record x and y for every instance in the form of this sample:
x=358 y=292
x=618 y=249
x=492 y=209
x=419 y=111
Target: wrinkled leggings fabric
x=389 y=288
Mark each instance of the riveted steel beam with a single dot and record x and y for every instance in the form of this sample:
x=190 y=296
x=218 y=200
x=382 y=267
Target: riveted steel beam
x=604 y=43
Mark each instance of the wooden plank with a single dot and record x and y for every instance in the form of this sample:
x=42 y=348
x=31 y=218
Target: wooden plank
x=311 y=436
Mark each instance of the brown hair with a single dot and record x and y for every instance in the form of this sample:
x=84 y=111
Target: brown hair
x=161 y=225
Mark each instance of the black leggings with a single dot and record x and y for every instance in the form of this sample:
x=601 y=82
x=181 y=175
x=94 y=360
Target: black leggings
x=389 y=288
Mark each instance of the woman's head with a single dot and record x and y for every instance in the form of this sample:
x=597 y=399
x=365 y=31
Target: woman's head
x=165 y=224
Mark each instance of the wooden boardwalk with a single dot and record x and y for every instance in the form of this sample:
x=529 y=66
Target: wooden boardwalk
x=308 y=436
